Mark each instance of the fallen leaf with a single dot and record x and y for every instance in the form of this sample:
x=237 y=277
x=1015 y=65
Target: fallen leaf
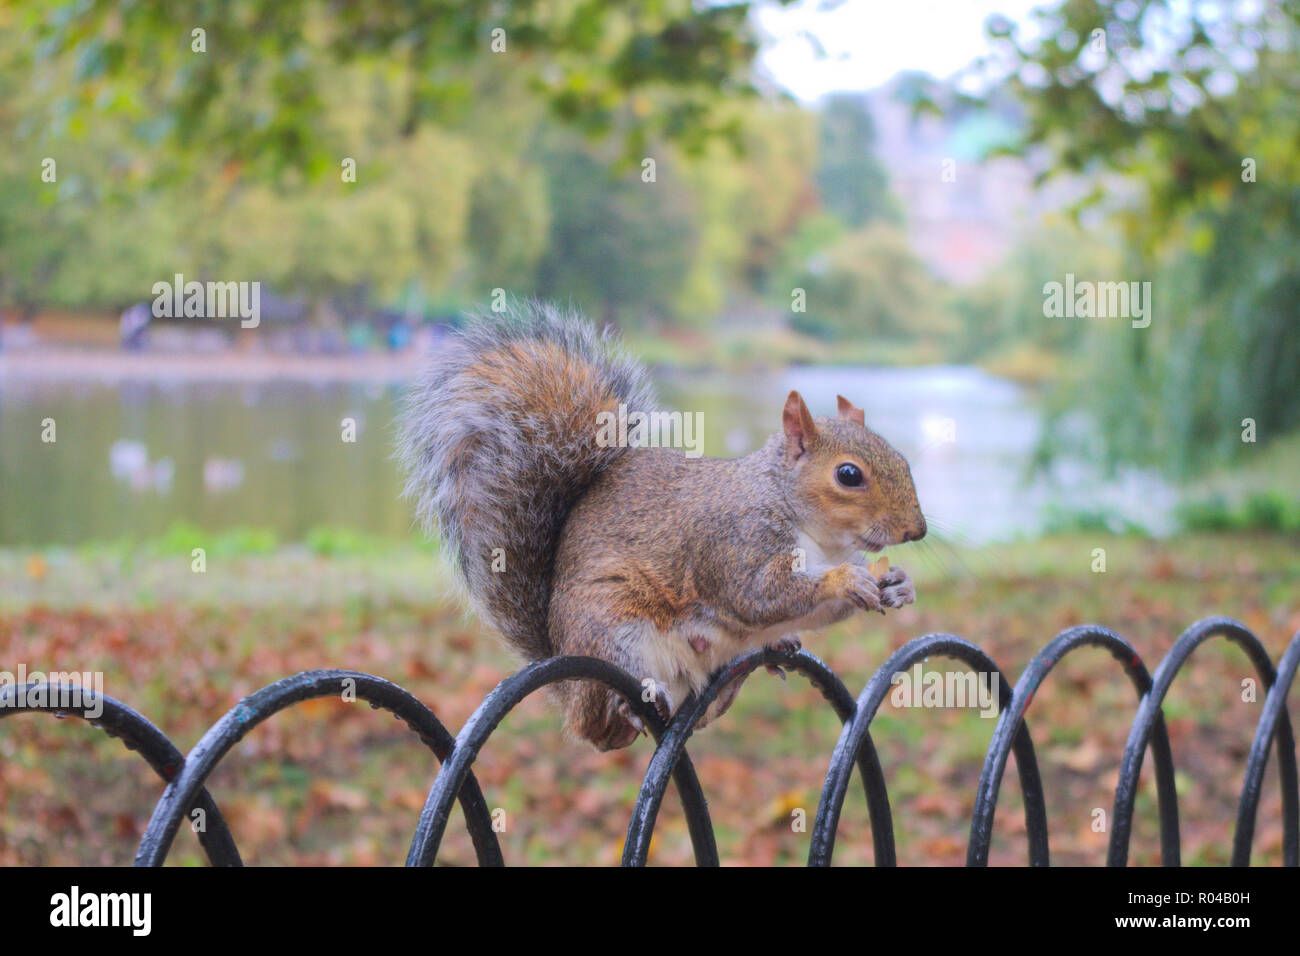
x=1082 y=759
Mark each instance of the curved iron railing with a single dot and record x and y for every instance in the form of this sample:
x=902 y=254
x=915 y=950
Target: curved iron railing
x=186 y=775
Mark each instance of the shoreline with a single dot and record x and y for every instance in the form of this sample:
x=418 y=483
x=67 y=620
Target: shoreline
x=105 y=367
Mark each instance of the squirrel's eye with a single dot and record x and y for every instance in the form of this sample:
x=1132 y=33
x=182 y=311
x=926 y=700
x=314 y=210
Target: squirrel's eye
x=850 y=476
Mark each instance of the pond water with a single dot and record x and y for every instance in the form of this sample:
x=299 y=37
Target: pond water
x=130 y=459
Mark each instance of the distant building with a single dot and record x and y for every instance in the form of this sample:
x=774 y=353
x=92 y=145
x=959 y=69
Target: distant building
x=963 y=215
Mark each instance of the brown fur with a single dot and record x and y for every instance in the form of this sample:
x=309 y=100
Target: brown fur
x=668 y=567
x=660 y=543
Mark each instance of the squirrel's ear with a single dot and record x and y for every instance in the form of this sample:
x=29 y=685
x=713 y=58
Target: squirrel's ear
x=851 y=412
x=798 y=426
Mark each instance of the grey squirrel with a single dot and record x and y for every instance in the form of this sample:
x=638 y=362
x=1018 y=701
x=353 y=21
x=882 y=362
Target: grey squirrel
x=669 y=567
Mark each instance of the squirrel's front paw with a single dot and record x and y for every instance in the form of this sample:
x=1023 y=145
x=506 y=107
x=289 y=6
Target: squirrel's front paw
x=896 y=588
x=857 y=585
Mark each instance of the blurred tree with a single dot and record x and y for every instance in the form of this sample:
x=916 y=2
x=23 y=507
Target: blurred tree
x=34 y=231
x=851 y=180
x=749 y=205
x=34 y=224
x=619 y=246
x=107 y=230
x=508 y=223
x=804 y=253
x=1004 y=309
x=869 y=283
x=242 y=80
x=1198 y=106
x=227 y=163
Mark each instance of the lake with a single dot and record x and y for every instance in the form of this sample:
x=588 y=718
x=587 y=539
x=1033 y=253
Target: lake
x=131 y=458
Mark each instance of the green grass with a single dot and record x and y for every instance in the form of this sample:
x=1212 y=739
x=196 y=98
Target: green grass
x=1254 y=511
x=1260 y=492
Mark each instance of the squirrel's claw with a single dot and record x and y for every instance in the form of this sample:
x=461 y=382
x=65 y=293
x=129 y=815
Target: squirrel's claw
x=788 y=644
x=628 y=714
x=661 y=698
x=895 y=575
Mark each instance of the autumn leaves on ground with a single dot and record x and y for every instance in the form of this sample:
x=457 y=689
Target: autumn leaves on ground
x=330 y=782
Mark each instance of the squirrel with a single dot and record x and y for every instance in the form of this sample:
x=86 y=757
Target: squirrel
x=667 y=566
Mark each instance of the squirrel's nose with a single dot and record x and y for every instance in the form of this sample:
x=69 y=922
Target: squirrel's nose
x=916 y=535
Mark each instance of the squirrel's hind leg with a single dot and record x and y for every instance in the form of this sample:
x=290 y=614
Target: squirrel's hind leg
x=605 y=719
x=722 y=703
x=592 y=711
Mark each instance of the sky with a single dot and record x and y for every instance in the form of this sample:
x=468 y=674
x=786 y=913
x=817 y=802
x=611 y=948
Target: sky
x=868 y=41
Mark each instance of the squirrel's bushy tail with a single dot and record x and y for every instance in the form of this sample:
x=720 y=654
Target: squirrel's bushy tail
x=498 y=441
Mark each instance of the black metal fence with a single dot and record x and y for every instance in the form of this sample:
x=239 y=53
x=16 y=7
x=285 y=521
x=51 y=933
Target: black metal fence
x=186 y=773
